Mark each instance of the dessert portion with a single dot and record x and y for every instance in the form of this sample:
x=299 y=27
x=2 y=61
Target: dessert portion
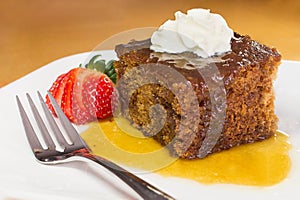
x=244 y=72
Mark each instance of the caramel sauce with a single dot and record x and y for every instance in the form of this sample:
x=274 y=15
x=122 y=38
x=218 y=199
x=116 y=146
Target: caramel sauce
x=259 y=164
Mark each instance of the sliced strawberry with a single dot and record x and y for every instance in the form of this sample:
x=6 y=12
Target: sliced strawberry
x=79 y=112
x=103 y=98
x=96 y=95
x=67 y=97
x=83 y=94
x=61 y=88
x=57 y=85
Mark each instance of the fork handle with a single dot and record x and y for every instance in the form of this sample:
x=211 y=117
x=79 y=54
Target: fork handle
x=144 y=189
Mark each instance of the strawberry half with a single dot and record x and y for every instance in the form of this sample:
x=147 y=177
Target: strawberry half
x=84 y=94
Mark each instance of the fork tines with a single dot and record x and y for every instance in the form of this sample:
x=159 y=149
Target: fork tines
x=52 y=136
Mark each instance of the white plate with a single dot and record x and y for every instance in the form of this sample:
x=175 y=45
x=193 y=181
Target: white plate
x=21 y=177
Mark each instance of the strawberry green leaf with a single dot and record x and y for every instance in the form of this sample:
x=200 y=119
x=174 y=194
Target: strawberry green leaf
x=102 y=66
x=90 y=65
x=99 y=65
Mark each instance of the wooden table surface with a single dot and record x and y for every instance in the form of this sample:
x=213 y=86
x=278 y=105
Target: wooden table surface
x=36 y=32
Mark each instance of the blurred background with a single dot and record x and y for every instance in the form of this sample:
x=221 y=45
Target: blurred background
x=36 y=32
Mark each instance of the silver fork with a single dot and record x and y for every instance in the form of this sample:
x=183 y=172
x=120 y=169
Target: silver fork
x=77 y=148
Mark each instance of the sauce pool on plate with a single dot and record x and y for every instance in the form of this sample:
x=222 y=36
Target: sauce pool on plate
x=259 y=164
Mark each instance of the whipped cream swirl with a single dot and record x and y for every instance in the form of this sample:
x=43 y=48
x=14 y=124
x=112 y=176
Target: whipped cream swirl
x=199 y=31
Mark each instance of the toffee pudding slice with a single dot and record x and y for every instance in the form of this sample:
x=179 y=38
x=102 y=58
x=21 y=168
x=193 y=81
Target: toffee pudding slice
x=246 y=72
